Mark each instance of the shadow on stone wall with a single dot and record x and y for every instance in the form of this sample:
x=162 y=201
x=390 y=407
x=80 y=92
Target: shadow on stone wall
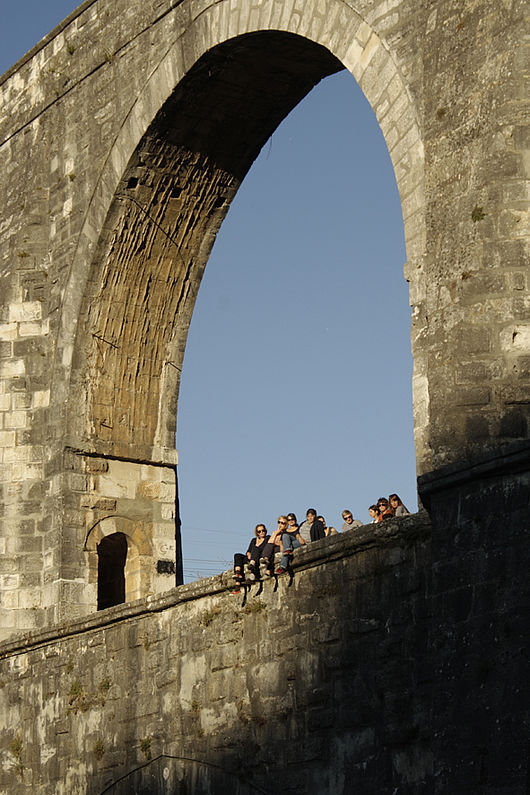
x=180 y=776
x=320 y=686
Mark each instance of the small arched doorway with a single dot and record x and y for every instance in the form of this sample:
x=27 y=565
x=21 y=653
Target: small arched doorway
x=112 y=555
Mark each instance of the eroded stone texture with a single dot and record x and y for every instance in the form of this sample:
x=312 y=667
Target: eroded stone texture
x=123 y=138
x=480 y=636
x=193 y=692
x=141 y=125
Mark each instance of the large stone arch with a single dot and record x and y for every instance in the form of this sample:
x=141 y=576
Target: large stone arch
x=164 y=188
x=410 y=664
x=444 y=83
x=358 y=48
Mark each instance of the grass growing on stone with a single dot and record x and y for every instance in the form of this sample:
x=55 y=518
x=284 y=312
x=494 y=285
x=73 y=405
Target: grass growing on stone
x=15 y=749
x=145 y=747
x=209 y=616
x=103 y=688
x=99 y=749
x=254 y=607
x=77 y=698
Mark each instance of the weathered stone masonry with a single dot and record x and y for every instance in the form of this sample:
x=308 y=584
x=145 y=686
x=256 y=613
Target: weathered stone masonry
x=140 y=122
x=276 y=695
x=123 y=138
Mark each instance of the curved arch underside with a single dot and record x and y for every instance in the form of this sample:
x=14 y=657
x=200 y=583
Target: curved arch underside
x=167 y=210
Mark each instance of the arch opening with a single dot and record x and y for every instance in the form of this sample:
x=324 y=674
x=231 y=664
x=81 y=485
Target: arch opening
x=304 y=394
x=112 y=555
x=169 y=204
x=167 y=210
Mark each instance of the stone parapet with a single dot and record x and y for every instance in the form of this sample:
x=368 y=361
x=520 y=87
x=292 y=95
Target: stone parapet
x=192 y=685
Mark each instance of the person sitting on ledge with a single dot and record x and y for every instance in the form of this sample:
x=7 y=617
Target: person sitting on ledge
x=254 y=551
x=329 y=531
x=384 y=509
x=349 y=521
x=312 y=529
x=291 y=540
x=373 y=510
x=292 y=521
x=273 y=545
x=396 y=506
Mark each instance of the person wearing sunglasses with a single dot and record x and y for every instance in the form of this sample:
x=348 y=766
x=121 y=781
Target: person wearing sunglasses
x=253 y=555
x=273 y=545
x=291 y=540
x=384 y=509
x=349 y=521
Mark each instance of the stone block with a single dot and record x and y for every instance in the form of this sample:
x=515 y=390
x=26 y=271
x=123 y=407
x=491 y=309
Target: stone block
x=12 y=368
x=472 y=396
x=25 y=311
x=515 y=338
x=9 y=581
x=25 y=472
x=8 y=331
x=521 y=367
x=5 y=350
x=469 y=339
x=7 y=438
x=148 y=490
x=10 y=600
x=167 y=511
x=18 y=419
x=96 y=465
x=518 y=281
x=21 y=400
x=41 y=398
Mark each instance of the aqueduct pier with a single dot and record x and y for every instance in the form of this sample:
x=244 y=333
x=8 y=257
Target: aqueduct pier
x=124 y=136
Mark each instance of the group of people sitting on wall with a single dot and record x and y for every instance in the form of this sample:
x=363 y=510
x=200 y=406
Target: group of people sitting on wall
x=289 y=535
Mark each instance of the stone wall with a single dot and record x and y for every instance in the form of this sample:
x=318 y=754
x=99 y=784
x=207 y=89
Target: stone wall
x=123 y=139
x=480 y=639
x=317 y=685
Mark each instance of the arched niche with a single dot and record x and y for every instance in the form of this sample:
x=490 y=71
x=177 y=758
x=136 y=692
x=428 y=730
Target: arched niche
x=112 y=557
x=124 y=544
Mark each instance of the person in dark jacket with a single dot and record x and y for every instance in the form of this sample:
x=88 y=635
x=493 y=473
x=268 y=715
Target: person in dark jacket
x=254 y=552
x=312 y=529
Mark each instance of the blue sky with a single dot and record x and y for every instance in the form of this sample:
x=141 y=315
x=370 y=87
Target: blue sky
x=296 y=385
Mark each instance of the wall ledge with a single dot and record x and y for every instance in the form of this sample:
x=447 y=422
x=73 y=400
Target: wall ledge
x=504 y=460
x=392 y=532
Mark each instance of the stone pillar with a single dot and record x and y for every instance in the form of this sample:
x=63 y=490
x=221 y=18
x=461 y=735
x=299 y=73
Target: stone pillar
x=472 y=322
x=479 y=642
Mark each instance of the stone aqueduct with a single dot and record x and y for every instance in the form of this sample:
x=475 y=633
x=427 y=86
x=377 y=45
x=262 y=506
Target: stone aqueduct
x=123 y=138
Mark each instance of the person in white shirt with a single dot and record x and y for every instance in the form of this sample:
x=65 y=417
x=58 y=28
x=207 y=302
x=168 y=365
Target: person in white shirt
x=349 y=521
